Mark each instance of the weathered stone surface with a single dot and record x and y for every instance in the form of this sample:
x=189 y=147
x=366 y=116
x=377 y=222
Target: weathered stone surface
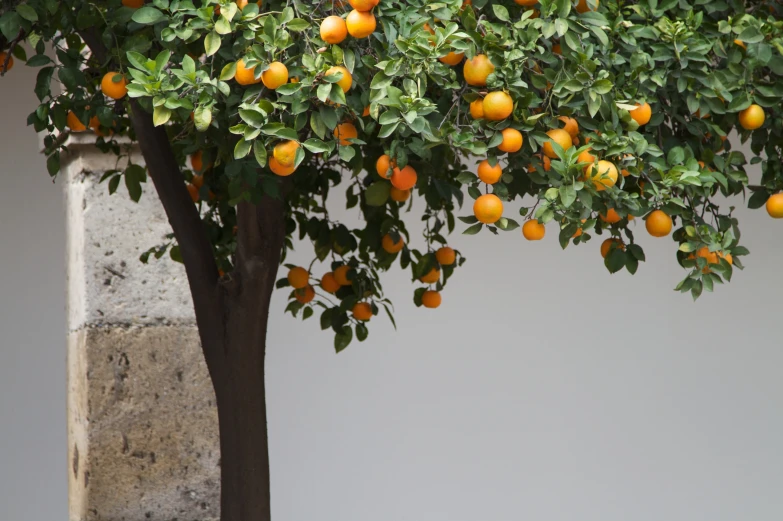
x=142 y=426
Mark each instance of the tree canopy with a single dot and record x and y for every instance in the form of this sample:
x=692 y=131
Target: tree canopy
x=584 y=118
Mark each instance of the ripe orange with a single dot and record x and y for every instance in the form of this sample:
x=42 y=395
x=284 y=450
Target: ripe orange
x=362 y=311
x=405 y=178
x=559 y=136
x=74 y=124
x=329 y=283
x=512 y=140
x=193 y=191
x=366 y=111
x=497 y=105
x=658 y=224
x=740 y=43
x=526 y=3
x=398 y=195
x=285 y=152
x=3 y=57
x=432 y=277
x=712 y=257
x=111 y=89
x=245 y=76
x=533 y=230
x=603 y=174
x=570 y=125
x=488 y=208
x=642 y=113
x=275 y=76
x=346 y=81
x=477 y=109
x=452 y=58
x=586 y=157
x=611 y=216
x=333 y=30
x=477 y=69
x=557 y=50
x=752 y=117
x=383 y=166
x=430 y=299
x=198 y=181
x=341 y=275
x=305 y=294
x=363 y=5
x=389 y=246
x=360 y=24
x=609 y=245
x=278 y=169
x=196 y=162
x=445 y=256
x=582 y=6
x=133 y=4
x=489 y=174
x=298 y=277
x=241 y=4
x=774 y=206
x=578 y=231
x=345 y=131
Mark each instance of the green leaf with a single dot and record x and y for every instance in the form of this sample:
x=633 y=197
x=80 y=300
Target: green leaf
x=377 y=193
x=147 y=16
x=241 y=149
x=10 y=23
x=297 y=25
x=317 y=146
x=567 y=195
x=500 y=12
x=160 y=115
x=27 y=12
x=212 y=43
x=473 y=230
x=343 y=338
x=259 y=152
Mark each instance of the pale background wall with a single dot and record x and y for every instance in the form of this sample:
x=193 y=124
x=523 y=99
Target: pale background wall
x=542 y=389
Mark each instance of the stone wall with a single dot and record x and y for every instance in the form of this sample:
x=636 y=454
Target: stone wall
x=142 y=425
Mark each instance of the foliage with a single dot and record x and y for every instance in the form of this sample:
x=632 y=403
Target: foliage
x=697 y=63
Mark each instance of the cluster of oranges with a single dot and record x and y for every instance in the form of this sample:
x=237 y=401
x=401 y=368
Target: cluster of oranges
x=360 y=23
x=331 y=282
x=402 y=179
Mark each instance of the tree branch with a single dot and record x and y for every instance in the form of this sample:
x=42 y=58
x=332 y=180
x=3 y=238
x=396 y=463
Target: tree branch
x=189 y=231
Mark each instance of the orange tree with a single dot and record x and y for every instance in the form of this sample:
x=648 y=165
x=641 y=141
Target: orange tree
x=583 y=116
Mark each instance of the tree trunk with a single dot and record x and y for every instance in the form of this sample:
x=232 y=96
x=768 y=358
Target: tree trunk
x=239 y=382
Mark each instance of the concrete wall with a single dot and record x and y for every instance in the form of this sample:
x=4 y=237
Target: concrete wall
x=543 y=388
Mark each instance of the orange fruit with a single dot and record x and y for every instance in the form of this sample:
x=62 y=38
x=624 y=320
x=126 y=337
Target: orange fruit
x=329 y=283
x=497 y=106
x=363 y=5
x=740 y=43
x=642 y=113
x=245 y=76
x=452 y=58
x=477 y=109
x=333 y=30
x=611 y=216
x=610 y=244
x=360 y=24
x=275 y=76
x=712 y=257
x=241 y=4
x=366 y=111
x=346 y=81
x=298 y=277
x=305 y=294
x=74 y=124
x=341 y=275
x=512 y=140
x=477 y=69
x=345 y=131
x=111 y=89
x=570 y=125
x=362 y=311
x=586 y=157
x=752 y=117
x=3 y=57
x=488 y=208
x=133 y=4
x=533 y=230
x=389 y=246
x=526 y=3
x=278 y=169
x=405 y=178
x=578 y=231
x=430 y=299
x=445 y=256
x=489 y=174
x=196 y=162
x=557 y=50
x=432 y=277
x=658 y=224
x=198 y=181
x=582 y=6
x=285 y=152
x=383 y=166
x=603 y=174
x=399 y=195
x=193 y=191
x=559 y=136
x=774 y=206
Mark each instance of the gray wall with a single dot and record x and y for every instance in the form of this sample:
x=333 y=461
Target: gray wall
x=542 y=389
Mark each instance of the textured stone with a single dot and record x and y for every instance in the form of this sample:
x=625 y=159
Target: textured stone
x=143 y=441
